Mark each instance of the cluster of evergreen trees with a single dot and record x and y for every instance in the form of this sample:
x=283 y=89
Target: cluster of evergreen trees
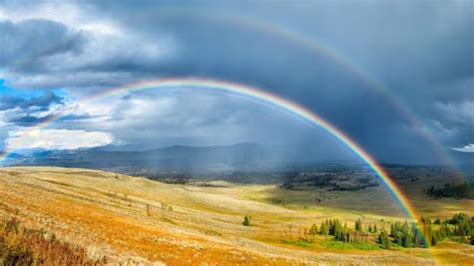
x=406 y=235
x=372 y=229
x=463 y=225
x=334 y=228
x=459 y=228
x=465 y=190
x=340 y=232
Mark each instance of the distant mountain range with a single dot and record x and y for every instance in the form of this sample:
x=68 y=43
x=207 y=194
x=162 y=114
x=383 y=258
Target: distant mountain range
x=191 y=159
x=238 y=157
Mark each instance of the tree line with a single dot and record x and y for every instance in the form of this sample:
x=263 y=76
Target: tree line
x=334 y=227
x=465 y=190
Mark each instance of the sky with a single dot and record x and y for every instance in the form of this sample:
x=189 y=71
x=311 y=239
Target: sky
x=395 y=76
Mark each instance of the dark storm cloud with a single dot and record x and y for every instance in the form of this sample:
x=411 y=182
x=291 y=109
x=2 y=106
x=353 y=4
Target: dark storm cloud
x=420 y=36
x=28 y=120
x=224 y=49
x=39 y=103
x=24 y=44
x=421 y=51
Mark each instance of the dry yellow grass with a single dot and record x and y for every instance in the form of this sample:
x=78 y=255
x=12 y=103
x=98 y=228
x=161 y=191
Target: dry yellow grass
x=135 y=220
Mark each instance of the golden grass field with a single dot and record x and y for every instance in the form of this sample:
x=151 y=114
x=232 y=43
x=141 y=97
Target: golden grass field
x=133 y=220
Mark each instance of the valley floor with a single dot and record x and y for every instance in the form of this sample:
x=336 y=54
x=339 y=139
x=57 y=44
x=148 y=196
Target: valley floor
x=135 y=220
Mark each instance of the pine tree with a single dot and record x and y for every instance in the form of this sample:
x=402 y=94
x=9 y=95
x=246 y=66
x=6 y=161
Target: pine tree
x=323 y=229
x=384 y=240
x=405 y=228
x=426 y=220
x=336 y=227
x=394 y=228
x=358 y=225
x=246 y=221
x=435 y=238
x=417 y=238
x=407 y=240
x=313 y=230
x=398 y=237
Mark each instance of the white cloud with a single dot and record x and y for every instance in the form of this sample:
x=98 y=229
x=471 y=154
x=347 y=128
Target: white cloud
x=60 y=139
x=66 y=13
x=3 y=123
x=468 y=148
x=440 y=130
x=462 y=112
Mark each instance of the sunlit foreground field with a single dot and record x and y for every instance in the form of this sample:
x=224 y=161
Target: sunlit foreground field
x=78 y=216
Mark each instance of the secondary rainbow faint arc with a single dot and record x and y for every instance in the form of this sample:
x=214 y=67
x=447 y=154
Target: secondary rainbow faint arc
x=225 y=86
x=318 y=48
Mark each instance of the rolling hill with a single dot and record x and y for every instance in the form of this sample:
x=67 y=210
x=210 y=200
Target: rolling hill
x=116 y=218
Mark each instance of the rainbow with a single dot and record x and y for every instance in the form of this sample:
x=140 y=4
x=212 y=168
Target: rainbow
x=254 y=93
x=266 y=98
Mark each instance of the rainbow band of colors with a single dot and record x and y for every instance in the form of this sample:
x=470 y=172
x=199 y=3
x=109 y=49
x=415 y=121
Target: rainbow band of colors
x=266 y=97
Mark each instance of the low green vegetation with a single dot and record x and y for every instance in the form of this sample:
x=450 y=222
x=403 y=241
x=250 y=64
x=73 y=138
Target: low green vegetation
x=345 y=245
x=300 y=242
